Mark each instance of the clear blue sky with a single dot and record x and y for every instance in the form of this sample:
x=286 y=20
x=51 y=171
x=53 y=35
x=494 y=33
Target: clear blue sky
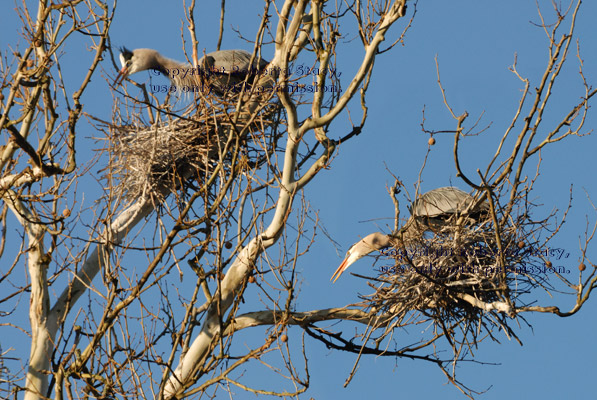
x=476 y=42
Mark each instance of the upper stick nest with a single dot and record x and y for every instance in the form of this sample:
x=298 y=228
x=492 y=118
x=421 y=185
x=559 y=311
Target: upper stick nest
x=181 y=153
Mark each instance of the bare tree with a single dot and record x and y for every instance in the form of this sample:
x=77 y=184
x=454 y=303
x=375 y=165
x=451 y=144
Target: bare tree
x=217 y=181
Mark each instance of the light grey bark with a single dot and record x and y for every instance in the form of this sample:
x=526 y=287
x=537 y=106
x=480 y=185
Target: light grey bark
x=289 y=185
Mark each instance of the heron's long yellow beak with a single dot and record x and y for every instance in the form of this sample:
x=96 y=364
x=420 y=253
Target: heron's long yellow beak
x=340 y=270
x=121 y=75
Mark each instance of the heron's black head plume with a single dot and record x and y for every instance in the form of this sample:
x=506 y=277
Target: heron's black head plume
x=126 y=53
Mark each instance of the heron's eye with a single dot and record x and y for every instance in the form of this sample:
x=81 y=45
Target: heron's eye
x=129 y=63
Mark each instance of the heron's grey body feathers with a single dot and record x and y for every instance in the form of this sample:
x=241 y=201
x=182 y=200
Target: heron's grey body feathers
x=444 y=202
x=222 y=70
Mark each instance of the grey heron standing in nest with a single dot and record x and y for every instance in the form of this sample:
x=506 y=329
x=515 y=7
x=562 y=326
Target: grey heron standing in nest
x=430 y=211
x=221 y=71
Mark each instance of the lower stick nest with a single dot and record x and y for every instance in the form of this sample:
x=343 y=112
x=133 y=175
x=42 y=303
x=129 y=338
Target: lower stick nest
x=456 y=276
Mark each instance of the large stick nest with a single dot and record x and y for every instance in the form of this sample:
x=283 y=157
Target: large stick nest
x=182 y=153
x=456 y=276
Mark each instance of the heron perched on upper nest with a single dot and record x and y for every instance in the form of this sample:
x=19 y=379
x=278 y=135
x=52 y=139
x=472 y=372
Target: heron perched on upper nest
x=221 y=70
x=170 y=154
x=430 y=211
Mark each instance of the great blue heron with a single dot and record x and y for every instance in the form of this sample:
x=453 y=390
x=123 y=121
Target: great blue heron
x=222 y=70
x=429 y=211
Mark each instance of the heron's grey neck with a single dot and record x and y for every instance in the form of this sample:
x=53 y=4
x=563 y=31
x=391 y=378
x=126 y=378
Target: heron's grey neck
x=376 y=241
x=180 y=74
x=169 y=67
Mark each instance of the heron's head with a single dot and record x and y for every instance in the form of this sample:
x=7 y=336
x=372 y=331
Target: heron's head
x=135 y=61
x=370 y=243
x=352 y=255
